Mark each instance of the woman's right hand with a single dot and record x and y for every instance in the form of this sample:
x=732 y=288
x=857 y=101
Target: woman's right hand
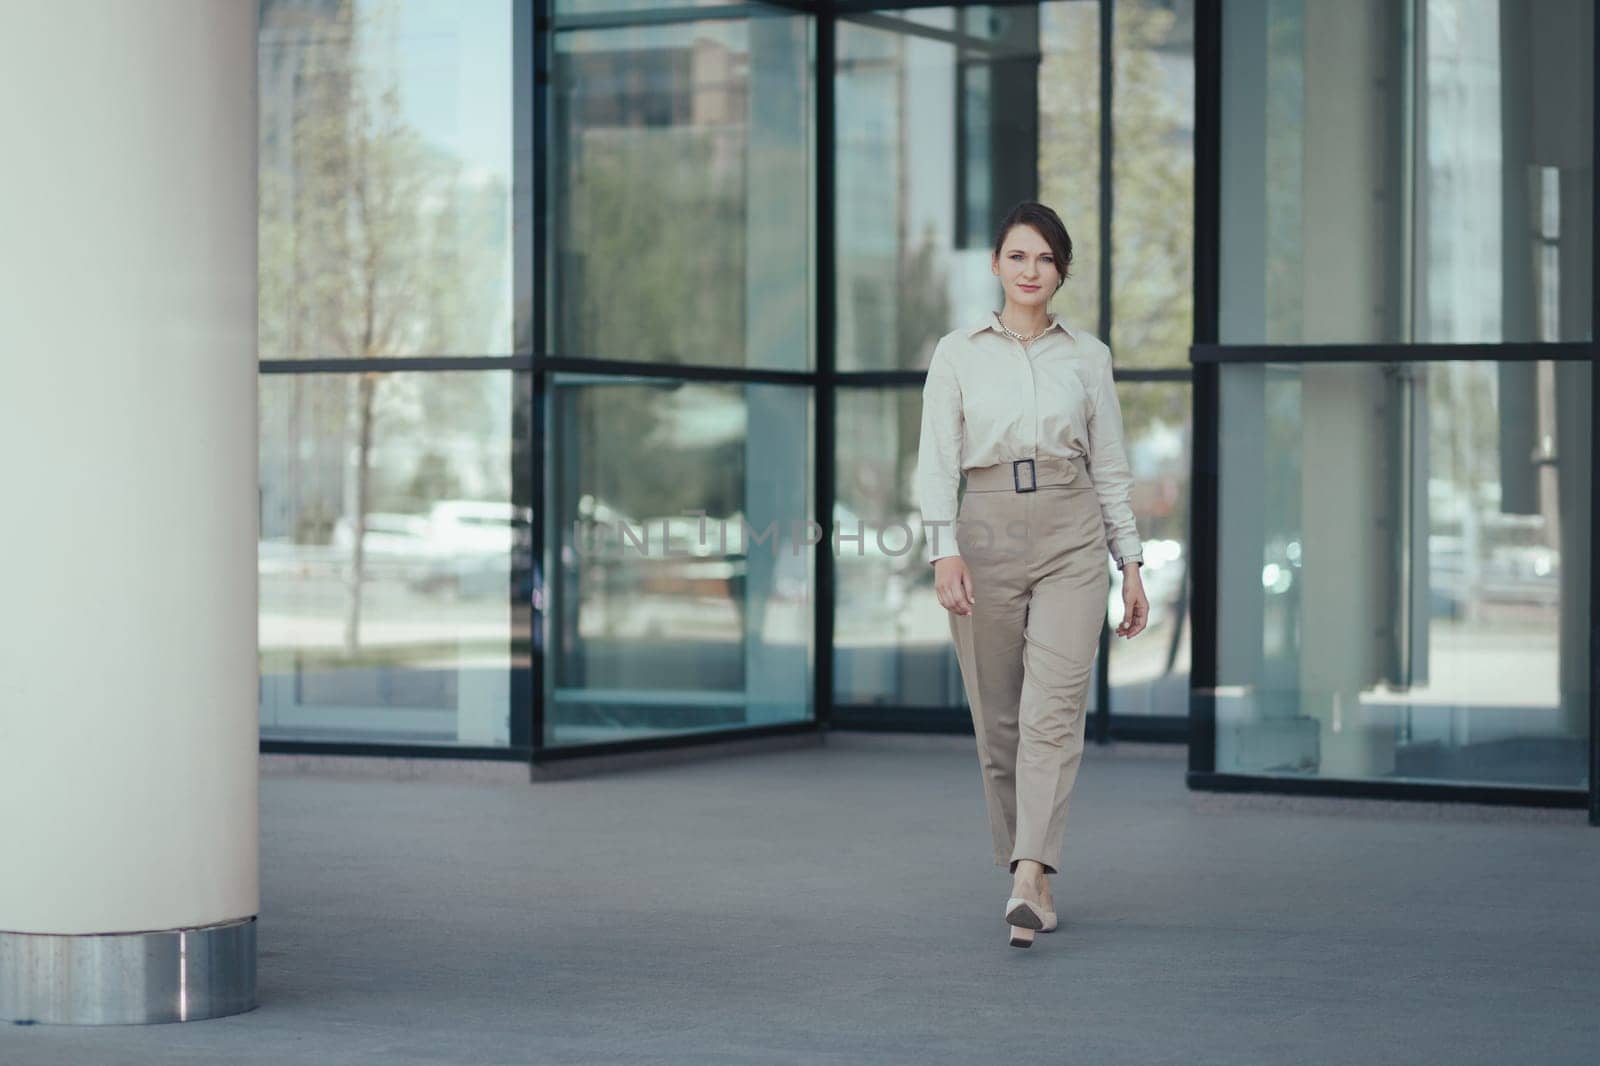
x=953 y=584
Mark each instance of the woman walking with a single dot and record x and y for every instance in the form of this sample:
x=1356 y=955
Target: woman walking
x=1027 y=409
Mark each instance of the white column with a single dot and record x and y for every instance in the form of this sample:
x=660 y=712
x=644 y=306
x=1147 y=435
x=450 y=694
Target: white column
x=128 y=713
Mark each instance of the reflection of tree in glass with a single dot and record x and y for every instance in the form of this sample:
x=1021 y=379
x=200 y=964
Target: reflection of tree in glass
x=1152 y=222
x=653 y=265
x=1069 y=147
x=372 y=244
x=1153 y=183
x=1153 y=178
x=434 y=479
x=629 y=460
x=654 y=246
x=876 y=488
x=1285 y=160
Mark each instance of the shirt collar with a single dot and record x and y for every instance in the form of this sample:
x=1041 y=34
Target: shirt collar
x=992 y=321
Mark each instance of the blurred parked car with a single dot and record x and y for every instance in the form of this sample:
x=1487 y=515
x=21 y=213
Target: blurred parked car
x=393 y=545
x=474 y=545
x=462 y=547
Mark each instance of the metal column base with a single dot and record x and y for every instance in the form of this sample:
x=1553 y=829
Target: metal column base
x=169 y=975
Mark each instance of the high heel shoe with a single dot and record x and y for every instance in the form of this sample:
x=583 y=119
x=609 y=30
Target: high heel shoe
x=1020 y=937
x=1025 y=913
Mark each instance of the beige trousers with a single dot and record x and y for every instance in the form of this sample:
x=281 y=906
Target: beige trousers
x=1039 y=573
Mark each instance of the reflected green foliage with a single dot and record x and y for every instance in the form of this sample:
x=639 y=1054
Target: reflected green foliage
x=1152 y=222
x=631 y=456
x=1069 y=148
x=653 y=257
x=1285 y=148
x=373 y=242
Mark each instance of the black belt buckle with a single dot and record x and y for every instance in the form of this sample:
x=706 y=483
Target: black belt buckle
x=1016 y=475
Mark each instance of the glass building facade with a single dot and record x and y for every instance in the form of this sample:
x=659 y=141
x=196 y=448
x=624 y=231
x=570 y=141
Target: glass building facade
x=593 y=335
x=1400 y=400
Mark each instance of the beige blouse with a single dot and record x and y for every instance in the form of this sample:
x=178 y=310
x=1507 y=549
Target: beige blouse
x=989 y=400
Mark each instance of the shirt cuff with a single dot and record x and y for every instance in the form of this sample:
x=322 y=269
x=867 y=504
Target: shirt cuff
x=1129 y=551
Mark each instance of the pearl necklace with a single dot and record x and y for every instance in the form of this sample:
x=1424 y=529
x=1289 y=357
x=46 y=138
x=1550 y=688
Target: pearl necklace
x=1018 y=336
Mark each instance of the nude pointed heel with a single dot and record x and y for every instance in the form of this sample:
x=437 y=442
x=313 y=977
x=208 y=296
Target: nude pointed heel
x=1024 y=913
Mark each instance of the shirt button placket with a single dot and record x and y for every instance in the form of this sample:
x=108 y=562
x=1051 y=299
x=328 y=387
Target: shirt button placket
x=1032 y=394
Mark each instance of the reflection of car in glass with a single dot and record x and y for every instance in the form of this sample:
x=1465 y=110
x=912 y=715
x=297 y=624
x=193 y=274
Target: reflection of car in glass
x=1447 y=576
x=464 y=547
x=474 y=544
x=1509 y=563
x=1523 y=573
x=393 y=545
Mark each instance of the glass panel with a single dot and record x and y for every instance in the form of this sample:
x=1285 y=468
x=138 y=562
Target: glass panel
x=1150 y=673
x=1437 y=186
x=1152 y=224
x=681 y=193
x=659 y=623
x=891 y=639
x=387 y=543
x=385 y=179
x=938 y=136
x=1404 y=573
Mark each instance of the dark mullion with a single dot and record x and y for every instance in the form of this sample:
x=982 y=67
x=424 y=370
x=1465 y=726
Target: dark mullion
x=1559 y=351
x=823 y=395
x=1154 y=373
x=686 y=371
x=526 y=165
x=903 y=718
x=273 y=746
x=876 y=379
x=1102 y=716
x=536 y=394
x=539 y=215
x=664 y=16
x=970 y=44
x=961 y=235
x=1415 y=791
x=387 y=363
x=667 y=741
x=575 y=364
x=1594 y=441
x=1594 y=587
x=548 y=568
x=945 y=719
x=531 y=83
x=848 y=7
x=1203 y=486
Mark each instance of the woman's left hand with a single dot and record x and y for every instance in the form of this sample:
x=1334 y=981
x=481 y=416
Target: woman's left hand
x=1135 y=607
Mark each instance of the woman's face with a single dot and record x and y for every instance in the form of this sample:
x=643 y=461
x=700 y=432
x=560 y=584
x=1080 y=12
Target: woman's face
x=1027 y=267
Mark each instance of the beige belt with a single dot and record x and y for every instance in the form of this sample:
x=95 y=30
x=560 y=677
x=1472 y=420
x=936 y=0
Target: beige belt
x=1025 y=475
